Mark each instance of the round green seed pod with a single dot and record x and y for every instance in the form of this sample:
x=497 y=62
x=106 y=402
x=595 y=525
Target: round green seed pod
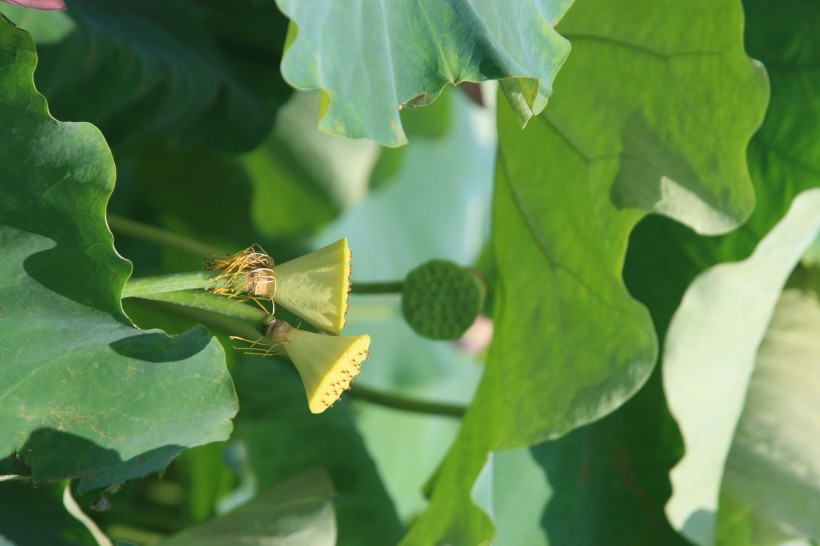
x=441 y=299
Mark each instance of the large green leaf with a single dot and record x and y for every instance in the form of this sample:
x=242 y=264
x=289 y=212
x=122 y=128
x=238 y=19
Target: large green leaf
x=663 y=131
x=297 y=512
x=710 y=356
x=85 y=394
x=193 y=72
x=371 y=60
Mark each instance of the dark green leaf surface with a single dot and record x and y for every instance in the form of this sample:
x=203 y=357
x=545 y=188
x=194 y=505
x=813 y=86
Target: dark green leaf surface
x=614 y=473
x=667 y=133
x=85 y=395
x=207 y=191
x=370 y=60
x=784 y=156
x=224 y=199
x=197 y=72
x=297 y=512
x=283 y=438
x=34 y=517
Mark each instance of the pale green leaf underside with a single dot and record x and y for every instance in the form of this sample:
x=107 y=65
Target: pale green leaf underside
x=84 y=394
x=772 y=474
x=298 y=512
x=372 y=58
x=513 y=490
x=710 y=355
x=647 y=116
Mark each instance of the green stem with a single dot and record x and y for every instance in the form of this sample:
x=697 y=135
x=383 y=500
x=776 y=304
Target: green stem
x=251 y=331
x=377 y=287
x=214 y=303
x=161 y=236
x=144 y=287
x=406 y=404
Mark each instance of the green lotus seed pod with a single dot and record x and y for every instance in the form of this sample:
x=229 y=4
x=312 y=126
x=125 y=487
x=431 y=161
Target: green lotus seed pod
x=441 y=299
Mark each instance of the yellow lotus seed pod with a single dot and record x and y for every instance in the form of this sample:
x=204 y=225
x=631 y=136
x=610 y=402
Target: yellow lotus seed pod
x=326 y=364
x=315 y=286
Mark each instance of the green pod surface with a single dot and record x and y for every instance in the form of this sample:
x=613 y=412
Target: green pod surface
x=441 y=299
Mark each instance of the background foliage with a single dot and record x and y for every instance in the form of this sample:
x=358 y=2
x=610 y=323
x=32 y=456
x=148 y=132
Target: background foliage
x=643 y=166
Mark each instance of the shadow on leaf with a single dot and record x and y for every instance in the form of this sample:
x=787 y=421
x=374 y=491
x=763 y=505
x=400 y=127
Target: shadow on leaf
x=53 y=455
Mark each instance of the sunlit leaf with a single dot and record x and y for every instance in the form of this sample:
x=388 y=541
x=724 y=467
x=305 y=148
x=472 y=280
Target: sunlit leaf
x=666 y=134
x=370 y=60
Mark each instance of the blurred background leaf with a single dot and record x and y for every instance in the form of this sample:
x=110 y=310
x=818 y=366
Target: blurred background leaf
x=34 y=516
x=44 y=26
x=297 y=512
x=283 y=438
x=191 y=73
x=512 y=490
x=436 y=205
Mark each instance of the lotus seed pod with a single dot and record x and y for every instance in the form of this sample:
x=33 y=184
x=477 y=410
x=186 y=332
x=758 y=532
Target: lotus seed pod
x=326 y=364
x=315 y=286
x=441 y=299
